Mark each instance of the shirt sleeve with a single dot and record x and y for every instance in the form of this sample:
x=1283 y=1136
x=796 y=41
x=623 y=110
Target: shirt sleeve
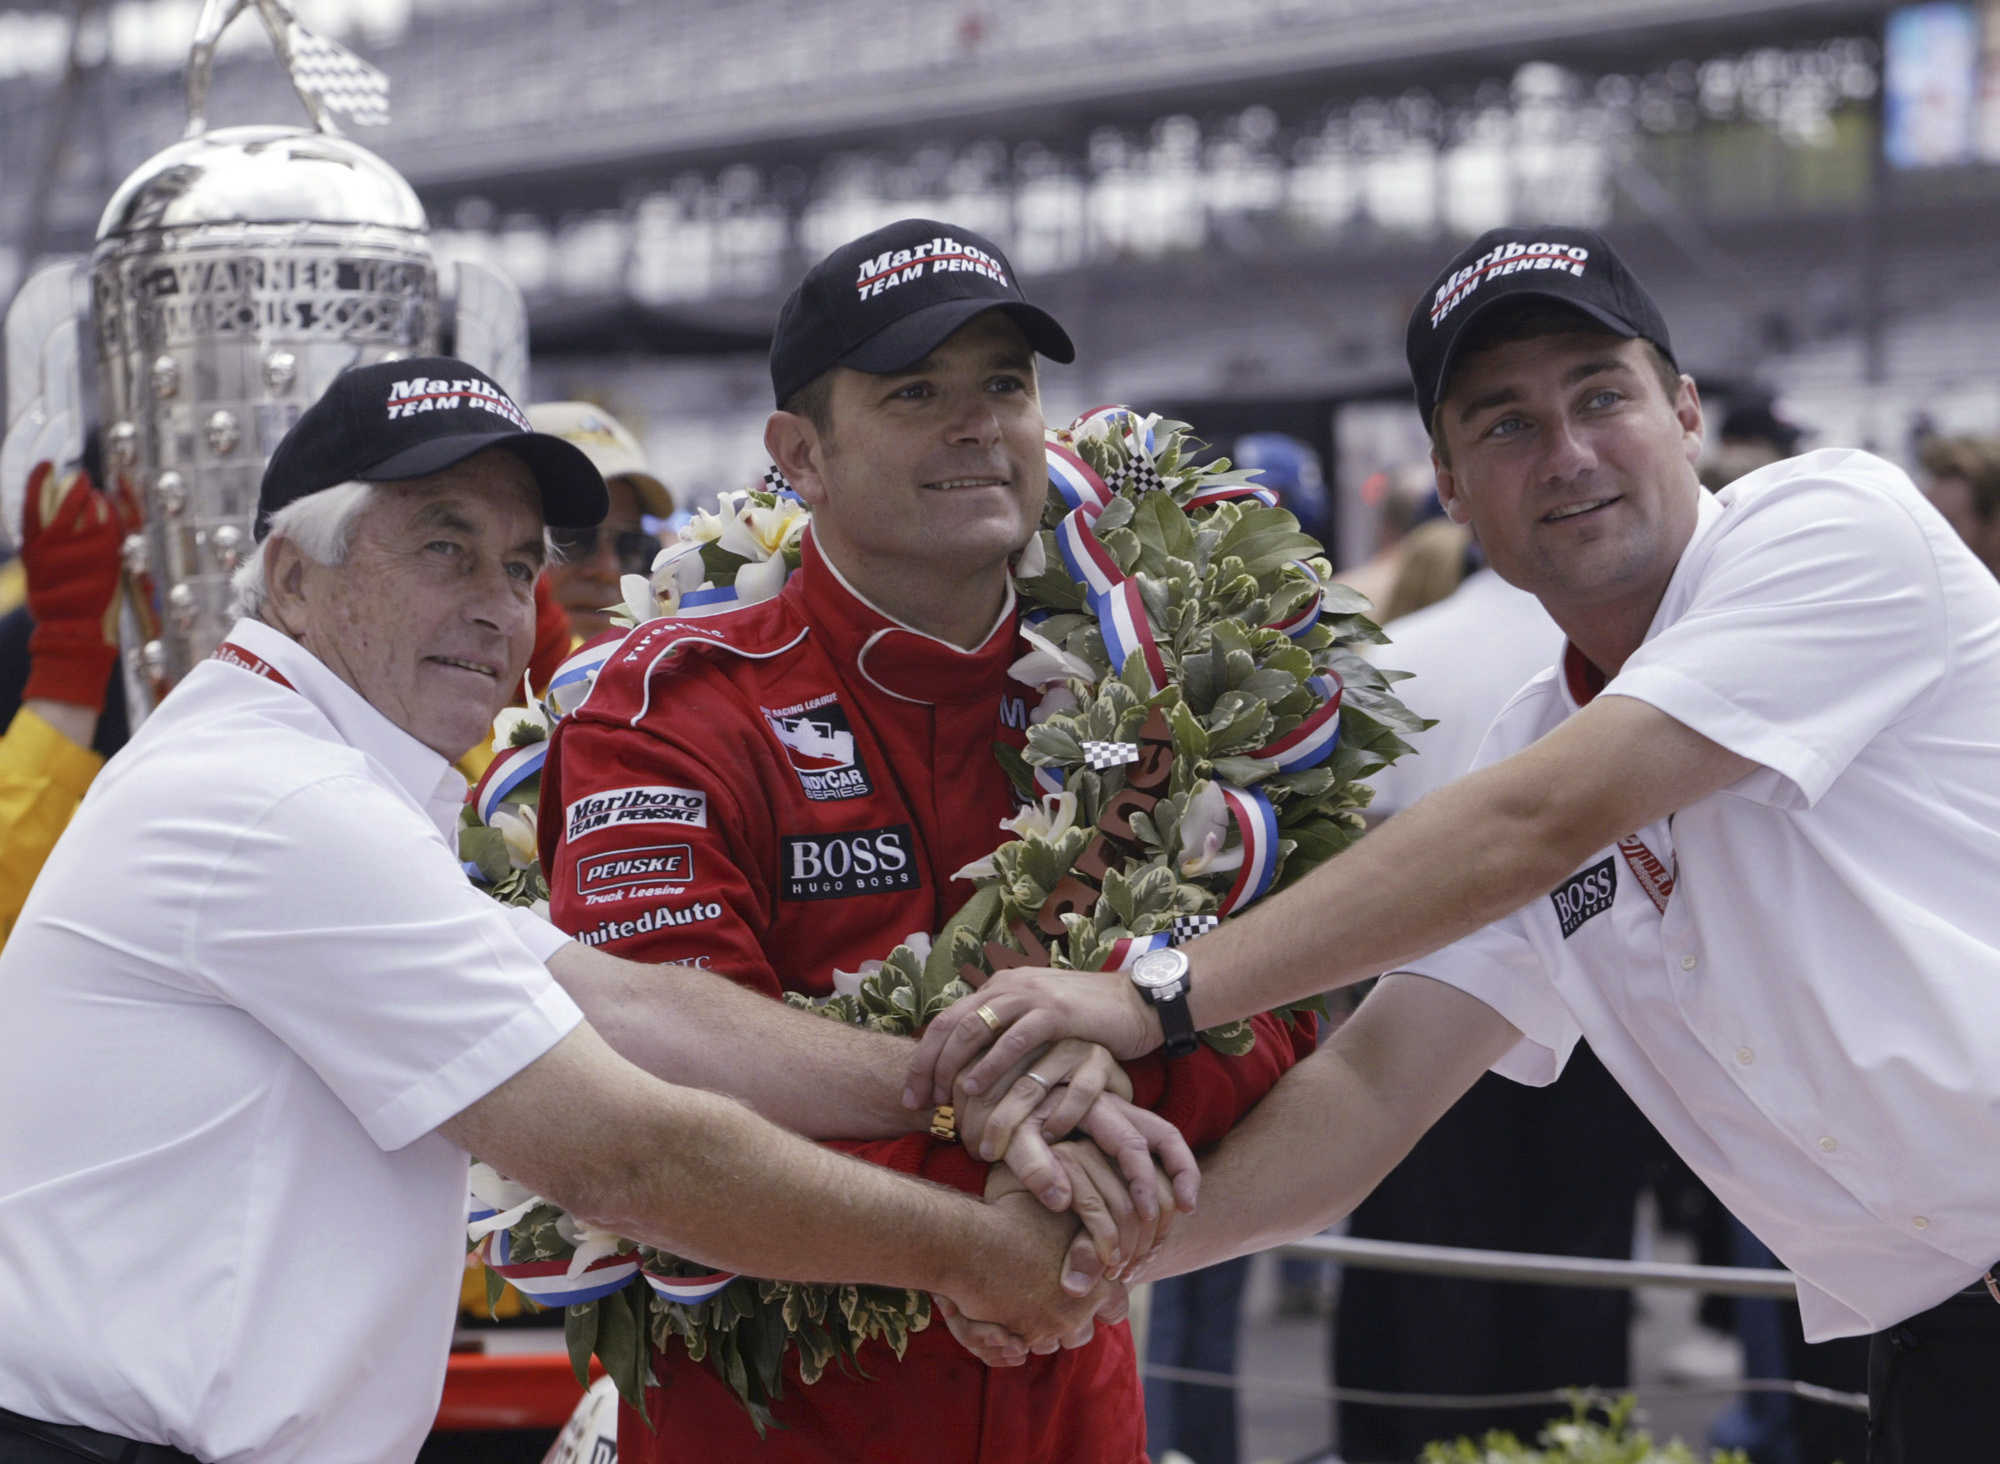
x=649 y=856
x=43 y=776
x=1817 y=621
x=541 y=938
x=343 y=924
x=1499 y=966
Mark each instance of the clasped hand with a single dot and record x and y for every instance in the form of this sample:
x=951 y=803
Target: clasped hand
x=1062 y=1126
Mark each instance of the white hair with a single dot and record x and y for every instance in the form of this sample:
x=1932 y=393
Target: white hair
x=321 y=525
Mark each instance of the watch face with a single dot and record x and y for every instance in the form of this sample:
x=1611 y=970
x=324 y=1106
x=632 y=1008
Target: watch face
x=1159 y=968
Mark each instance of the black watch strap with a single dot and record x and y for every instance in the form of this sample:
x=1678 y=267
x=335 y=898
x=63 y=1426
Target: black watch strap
x=1176 y=1024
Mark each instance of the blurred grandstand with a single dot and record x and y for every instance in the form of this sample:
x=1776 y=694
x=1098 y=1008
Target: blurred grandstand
x=1231 y=206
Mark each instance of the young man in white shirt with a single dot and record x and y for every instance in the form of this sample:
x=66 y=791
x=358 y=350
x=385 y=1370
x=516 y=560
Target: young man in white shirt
x=1745 y=838
x=254 y=1016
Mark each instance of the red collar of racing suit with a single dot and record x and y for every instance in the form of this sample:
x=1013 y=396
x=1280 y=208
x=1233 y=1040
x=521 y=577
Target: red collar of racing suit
x=896 y=659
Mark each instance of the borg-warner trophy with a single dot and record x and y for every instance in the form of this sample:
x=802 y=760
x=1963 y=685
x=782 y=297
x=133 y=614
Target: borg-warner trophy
x=235 y=275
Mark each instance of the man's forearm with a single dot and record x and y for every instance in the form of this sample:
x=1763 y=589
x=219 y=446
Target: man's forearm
x=819 y=1078
x=1338 y=1122
x=701 y=1176
x=1474 y=851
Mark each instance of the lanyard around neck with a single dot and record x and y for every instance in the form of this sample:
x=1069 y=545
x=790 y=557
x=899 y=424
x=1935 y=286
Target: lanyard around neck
x=231 y=654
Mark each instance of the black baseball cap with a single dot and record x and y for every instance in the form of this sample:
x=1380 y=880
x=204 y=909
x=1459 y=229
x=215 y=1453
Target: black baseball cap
x=892 y=297
x=1573 y=266
x=397 y=420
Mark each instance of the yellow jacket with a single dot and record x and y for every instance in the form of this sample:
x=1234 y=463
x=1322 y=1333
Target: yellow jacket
x=43 y=776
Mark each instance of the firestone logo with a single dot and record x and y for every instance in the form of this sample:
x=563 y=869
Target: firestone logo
x=433 y=394
x=943 y=255
x=1506 y=260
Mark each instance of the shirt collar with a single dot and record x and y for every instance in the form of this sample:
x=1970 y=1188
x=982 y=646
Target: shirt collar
x=427 y=776
x=898 y=659
x=1580 y=680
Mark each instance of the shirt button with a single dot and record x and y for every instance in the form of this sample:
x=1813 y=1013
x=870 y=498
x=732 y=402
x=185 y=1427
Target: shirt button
x=1745 y=1056
x=1828 y=1145
x=1688 y=963
x=1921 y=1222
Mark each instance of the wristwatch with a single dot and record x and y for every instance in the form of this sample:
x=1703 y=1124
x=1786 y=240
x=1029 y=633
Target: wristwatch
x=1163 y=977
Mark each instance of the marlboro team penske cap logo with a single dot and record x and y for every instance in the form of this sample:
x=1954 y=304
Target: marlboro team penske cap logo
x=942 y=254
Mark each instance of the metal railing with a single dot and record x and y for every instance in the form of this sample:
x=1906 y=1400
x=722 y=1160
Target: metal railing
x=1488 y=1265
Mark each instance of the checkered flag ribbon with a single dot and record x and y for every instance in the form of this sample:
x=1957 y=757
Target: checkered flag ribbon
x=1139 y=475
x=776 y=482
x=1186 y=927
x=341 y=80
x=1102 y=755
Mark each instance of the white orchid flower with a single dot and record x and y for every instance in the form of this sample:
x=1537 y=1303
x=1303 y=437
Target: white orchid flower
x=758 y=533
x=512 y=718
x=509 y=1201
x=761 y=580
x=517 y=826
x=591 y=1243
x=639 y=601
x=1033 y=558
x=848 y=983
x=705 y=527
x=677 y=569
x=1048 y=820
x=1048 y=663
x=1204 y=829
x=1058 y=698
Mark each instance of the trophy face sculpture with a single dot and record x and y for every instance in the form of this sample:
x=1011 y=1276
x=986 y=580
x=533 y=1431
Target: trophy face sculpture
x=235 y=275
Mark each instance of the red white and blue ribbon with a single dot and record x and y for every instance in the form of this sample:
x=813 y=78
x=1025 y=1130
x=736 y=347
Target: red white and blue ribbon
x=1128 y=949
x=1223 y=492
x=549 y=1282
x=1048 y=780
x=572 y=681
x=689 y=1290
x=1326 y=685
x=1257 y=823
x=1088 y=561
x=504 y=774
x=1307 y=615
x=707 y=602
x=1310 y=743
x=1121 y=618
x=1076 y=481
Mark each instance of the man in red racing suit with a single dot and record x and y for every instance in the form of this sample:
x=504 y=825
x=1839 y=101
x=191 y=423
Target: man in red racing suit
x=784 y=790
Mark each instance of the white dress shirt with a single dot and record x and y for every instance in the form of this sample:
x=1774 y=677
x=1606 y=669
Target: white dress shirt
x=249 y=984
x=1814 y=1022
x=1467 y=655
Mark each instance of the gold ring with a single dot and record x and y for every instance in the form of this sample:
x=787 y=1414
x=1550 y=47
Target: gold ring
x=993 y=1023
x=1038 y=1078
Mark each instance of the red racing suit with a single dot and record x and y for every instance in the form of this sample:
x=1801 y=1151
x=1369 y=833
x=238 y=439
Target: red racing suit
x=785 y=789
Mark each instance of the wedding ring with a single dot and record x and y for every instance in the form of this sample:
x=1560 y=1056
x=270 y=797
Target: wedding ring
x=993 y=1023
x=1038 y=1078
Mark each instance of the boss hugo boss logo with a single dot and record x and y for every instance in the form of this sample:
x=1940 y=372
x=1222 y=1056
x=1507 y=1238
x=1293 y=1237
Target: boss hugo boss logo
x=819 y=743
x=630 y=872
x=653 y=804
x=861 y=862
x=1586 y=894
x=430 y=394
x=943 y=255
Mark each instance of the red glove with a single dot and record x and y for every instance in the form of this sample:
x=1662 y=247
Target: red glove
x=552 y=638
x=70 y=537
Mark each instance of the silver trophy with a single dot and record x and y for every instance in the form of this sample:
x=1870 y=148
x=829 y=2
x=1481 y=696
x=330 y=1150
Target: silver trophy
x=235 y=275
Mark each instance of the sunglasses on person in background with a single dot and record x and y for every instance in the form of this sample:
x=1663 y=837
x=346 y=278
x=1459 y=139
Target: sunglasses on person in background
x=635 y=548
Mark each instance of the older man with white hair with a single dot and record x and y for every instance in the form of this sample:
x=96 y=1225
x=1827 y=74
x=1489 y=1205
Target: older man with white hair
x=253 y=1016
